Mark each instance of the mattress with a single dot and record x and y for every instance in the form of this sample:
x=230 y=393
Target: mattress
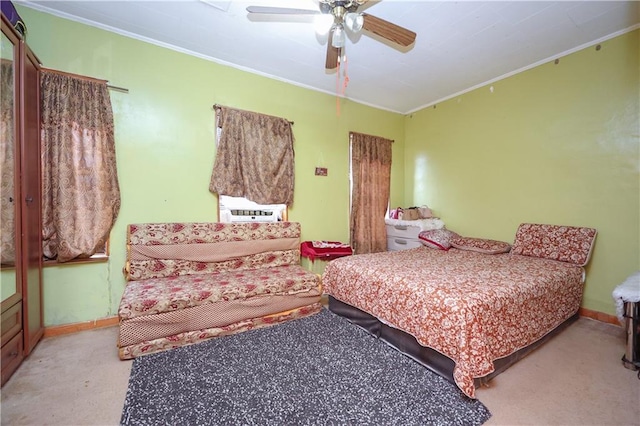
x=471 y=307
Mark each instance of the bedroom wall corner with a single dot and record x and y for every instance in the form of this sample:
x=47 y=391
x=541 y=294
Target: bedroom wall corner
x=556 y=144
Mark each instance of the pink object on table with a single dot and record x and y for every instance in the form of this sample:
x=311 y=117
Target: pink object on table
x=324 y=250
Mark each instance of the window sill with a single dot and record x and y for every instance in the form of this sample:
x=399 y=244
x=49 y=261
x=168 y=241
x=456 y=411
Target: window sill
x=96 y=258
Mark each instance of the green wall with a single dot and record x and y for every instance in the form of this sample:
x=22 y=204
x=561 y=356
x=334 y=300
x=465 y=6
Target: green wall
x=556 y=144
x=165 y=146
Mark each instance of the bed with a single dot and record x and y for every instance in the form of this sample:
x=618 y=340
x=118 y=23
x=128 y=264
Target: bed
x=466 y=308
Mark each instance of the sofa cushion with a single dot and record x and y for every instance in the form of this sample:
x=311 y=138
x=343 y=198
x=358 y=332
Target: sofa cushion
x=157 y=250
x=157 y=295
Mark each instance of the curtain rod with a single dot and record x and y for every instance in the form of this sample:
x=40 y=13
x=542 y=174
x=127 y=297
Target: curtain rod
x=118 y=89
x=218 y=106
x=84 y=77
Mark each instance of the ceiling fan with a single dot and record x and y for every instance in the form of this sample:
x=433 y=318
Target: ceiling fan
x=345 y=16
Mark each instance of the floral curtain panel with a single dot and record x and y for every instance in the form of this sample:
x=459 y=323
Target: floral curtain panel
x=7 y=158
x=81 y=195
x=255 y=157
x=371 y=180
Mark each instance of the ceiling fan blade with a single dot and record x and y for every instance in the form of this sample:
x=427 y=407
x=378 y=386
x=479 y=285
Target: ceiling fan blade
x=333 y=53
x=281 y=10
x=389 y=31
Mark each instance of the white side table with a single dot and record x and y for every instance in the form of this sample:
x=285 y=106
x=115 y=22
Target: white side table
x=403 y=234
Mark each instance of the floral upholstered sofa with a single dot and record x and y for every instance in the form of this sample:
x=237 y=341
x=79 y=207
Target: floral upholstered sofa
x=189 y=282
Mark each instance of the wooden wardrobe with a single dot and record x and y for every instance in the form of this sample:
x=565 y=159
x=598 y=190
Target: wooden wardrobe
x=21 y=263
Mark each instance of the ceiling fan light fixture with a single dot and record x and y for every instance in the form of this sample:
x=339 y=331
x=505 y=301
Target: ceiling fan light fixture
x=346 y=17
x=354 y=21
x=339 y=37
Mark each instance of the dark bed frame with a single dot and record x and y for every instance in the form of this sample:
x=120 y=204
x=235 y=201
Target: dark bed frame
x=430 y=358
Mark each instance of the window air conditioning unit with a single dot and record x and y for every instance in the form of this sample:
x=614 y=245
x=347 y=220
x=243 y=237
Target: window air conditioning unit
x=240 y=215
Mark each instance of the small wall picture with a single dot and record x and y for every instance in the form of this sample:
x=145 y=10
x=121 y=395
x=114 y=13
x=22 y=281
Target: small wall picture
x=321 y=171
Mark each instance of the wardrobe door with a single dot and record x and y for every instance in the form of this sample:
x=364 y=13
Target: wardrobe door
x=10 y=248
x=33 y=324
x=9 y=168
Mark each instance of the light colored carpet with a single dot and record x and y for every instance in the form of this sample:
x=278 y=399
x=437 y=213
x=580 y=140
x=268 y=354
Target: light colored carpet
x=577 y=378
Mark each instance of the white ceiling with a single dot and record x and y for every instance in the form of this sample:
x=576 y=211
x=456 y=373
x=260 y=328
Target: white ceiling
x=460 y=44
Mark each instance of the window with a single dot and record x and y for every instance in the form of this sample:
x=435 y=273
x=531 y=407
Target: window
x=254 y=163
x=370 y=186
x=101 y=255
x=78 y=157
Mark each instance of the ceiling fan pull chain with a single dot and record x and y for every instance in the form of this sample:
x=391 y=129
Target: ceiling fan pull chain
x=346 y=75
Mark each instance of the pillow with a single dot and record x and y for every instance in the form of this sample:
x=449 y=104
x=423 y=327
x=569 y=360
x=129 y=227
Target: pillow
x=437 y=238
x=564 y=243
x=480 y=245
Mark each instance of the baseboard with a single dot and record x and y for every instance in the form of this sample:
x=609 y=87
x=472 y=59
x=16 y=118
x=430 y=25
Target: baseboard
x=59 y=330
x=599 y=316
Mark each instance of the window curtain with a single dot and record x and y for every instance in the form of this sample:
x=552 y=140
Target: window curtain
x=7 y=158
x=255 y=157
x=80 y=191
x=371 y=183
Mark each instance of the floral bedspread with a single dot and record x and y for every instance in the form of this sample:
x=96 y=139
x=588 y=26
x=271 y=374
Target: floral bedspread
x=472 y=307
x=157 y=295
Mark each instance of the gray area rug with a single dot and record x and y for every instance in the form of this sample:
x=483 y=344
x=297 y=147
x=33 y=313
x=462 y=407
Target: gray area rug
x=319 y=370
